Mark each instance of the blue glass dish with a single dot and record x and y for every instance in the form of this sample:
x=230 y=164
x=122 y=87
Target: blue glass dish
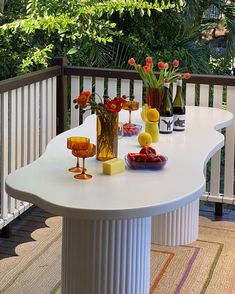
x=131 y=130
x=146 y=165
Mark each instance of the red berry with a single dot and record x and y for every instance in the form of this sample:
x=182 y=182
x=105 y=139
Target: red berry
x=158 y=158
x=150 y=158
x=136 y=157
x=162 y=157
x=148 y=150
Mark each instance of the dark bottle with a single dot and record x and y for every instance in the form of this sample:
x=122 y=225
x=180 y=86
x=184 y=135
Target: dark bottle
x=166 y=112
x=179 y=109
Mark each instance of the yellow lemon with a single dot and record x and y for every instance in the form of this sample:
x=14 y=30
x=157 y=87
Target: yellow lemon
x=152 y=115
x=144 y=139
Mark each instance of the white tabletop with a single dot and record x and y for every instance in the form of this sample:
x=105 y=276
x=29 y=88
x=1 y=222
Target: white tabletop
x=133 y=193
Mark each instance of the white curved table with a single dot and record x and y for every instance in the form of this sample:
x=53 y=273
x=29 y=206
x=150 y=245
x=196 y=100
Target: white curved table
x=107 y=220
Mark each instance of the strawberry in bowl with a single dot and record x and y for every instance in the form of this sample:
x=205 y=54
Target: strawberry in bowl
x=136 y=160
x=155 y=161
x=147 y=158
x=148 y=150
x=131 y=130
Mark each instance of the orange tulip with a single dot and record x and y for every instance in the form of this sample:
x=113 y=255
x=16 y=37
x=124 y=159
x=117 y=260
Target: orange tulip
x=160 y=65
x=187 y=75
x=176 y=63
x=131 y=61
x=146 y=69
x=149 y=60
x=166 y=65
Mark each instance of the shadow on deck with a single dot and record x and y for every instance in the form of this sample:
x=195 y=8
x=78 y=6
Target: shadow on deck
x=21 y=228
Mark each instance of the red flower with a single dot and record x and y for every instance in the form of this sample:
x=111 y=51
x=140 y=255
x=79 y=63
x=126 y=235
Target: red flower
x=160 y=65
x=187 y=75
x=149 y=60
x=146 y=69
x=121 y=100
x=131 y=61
x=176 y=63
x=83 y=98
x=113 y=106
x=166 y=65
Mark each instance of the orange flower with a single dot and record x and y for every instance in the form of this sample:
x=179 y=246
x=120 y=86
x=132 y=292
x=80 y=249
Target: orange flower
x=149 y=60
x=83 y=98
x=160 y=64
x=113 y=106
x=187 y=75
x=166 y=65
x=131 y=61
x=176 y=63
x=169 y=70
x=146 y=69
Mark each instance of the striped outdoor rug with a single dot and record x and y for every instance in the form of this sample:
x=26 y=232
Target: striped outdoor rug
x=30 y=259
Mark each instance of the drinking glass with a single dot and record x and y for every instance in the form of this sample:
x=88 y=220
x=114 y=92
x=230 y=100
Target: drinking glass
x=130 y=106
x=130 y=129
x=72 y=144
x=84 y=151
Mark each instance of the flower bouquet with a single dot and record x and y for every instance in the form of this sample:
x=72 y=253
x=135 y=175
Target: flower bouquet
x=107 y=121
x=168 y=73
x=154 y=85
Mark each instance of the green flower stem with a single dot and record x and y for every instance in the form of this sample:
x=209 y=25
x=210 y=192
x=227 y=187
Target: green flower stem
x=173 y=78
x=150 y=80
x=161 y=76
x=108 y=133
x=153 y=80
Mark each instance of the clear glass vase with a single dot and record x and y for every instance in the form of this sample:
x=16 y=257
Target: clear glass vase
x=107 y=136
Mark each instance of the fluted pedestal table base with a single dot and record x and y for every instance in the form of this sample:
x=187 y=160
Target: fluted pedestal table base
x=178 y=227
x=106 y=256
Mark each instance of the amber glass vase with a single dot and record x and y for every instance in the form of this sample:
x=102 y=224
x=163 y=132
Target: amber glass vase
x=154 y=97
x=107 y=136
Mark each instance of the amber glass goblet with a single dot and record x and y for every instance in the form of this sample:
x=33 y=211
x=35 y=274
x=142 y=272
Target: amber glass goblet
x=84 y=153
x=130 y=106
x=72 y=144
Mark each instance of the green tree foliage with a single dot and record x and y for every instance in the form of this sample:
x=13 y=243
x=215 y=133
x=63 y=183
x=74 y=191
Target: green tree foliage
x=106 y=33
x=40 y=29
x=179 y=33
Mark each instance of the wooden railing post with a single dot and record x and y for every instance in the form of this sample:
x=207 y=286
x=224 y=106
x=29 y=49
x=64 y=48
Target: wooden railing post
x=61 y=94
x=218 y=209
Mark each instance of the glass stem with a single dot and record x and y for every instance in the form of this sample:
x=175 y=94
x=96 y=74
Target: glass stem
x=83 y=165
x=77 y=162
x=129 y=117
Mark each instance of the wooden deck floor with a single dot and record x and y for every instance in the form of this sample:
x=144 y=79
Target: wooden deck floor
x=208 y=211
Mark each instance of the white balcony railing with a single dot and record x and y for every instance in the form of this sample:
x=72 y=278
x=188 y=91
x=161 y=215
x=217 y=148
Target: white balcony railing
x=29 y=112
x=28 y=122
